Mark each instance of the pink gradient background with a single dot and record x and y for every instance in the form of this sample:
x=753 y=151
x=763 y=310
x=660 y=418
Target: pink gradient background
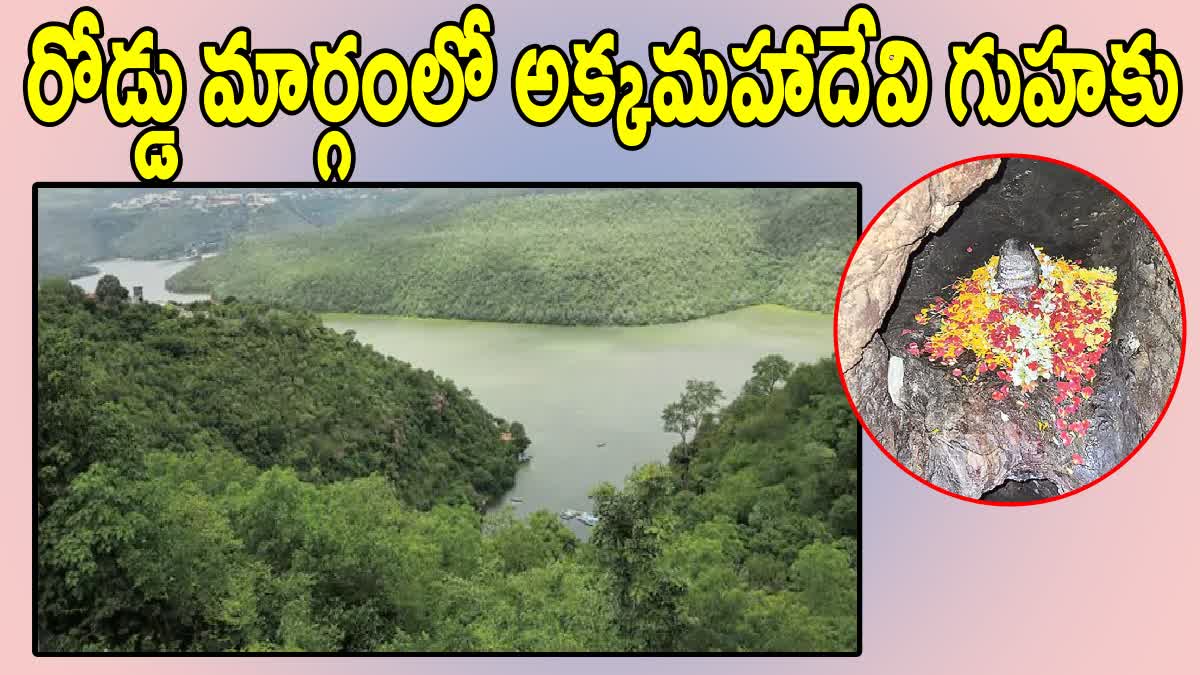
x=1103 y=581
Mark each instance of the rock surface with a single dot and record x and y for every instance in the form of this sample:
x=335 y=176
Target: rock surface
x=882 y=257
x=1147 y=333
x=956 y=436
x=1022 y=491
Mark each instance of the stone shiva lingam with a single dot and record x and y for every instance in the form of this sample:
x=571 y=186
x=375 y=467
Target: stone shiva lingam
x=1019 y=271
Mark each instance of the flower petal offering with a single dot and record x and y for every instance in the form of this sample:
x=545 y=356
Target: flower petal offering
x=1026 y=316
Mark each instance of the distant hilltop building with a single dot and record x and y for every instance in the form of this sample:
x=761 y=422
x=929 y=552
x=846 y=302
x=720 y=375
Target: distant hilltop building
x=222 y=198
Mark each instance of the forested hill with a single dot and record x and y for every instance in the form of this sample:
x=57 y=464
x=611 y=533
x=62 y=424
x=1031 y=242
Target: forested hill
x=748 y=539
x=237 y=478
x=116 y=379
x=588 y=257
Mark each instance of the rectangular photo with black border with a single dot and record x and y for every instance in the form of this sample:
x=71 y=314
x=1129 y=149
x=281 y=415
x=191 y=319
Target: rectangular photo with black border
x=443 y=418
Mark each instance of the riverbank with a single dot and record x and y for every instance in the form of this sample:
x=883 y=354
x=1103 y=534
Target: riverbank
x=151 y=275
x=764 y=316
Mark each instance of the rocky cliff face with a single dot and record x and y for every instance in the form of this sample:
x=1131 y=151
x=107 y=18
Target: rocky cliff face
x=873 y=280
x=1147 y=333
x=951 y=432
x=882 y=259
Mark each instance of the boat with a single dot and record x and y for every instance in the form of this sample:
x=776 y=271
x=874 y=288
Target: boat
x=601 y=445
x=569 y=514
x=588 y=519
x=516 y=500
x=524 y=457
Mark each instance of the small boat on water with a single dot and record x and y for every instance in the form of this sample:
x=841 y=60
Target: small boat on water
x=517 y=500
x=585 y=517
x=601 y=445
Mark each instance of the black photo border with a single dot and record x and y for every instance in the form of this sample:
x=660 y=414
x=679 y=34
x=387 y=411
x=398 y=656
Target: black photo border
x=51 y=185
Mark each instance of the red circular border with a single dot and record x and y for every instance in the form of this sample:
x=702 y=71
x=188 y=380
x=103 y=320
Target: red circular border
x=1178 y=289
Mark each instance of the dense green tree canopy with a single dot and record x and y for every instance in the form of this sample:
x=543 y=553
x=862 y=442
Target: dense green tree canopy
x=276 y=387
x=616 y=256
x=110 y=292
x=237 y=477
x=749 y=539
x=684 y=416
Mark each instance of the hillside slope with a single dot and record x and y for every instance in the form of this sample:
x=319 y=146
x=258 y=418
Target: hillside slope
x=616 y=256
x=116 y=380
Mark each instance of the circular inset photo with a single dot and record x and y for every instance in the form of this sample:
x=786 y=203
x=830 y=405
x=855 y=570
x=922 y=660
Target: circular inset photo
x=1009 y=329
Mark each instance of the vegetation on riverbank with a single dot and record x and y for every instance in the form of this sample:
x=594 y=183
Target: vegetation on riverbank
x=748 y=538
x=59 y=268
x=237 y=477
x=585 y=257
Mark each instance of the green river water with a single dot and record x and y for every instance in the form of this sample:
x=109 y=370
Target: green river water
x=590 y=397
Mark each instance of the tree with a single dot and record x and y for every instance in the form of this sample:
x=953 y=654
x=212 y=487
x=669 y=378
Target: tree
x=524 y=545
x=520 y=439
x=675 y=421
x=770 y=370
x=703 y=562
x=628 y=540
x=64 y=405
x=698 y=399
x=110 y=292
x=826 y=581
